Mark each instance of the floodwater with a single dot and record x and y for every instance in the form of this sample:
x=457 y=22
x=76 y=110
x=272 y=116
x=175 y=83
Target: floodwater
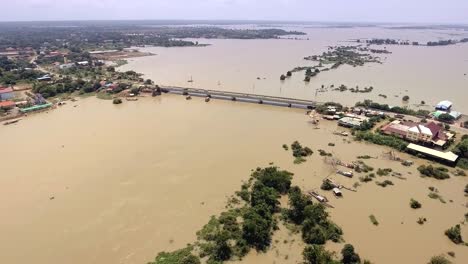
x=104 y=183
x=429 y=74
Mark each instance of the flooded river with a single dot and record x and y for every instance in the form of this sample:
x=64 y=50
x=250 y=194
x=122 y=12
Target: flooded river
x=103 y=183
x=429 y=74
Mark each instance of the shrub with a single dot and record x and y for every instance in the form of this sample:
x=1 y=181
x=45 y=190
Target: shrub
x=463 y=163
x=384 y=140
x=405 y=98
x=446 y=118
x=117 y=101
x=373 y=220
x=349 y=256
x=384 y=183
x=316 y=254
x=439 y=173
x=327 y=186
x=181 y=256
x=439 y=260
x=383 y=172
x=415 y=204
x=454 y=234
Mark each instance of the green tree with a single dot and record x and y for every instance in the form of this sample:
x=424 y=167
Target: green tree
x=316 y=254
x=222 y=251
x=406 y=98
x=446 y=118
x=298 y=202
x=454 y=234
x=349 y=256
x=181 y=256
x=439 y=260
x=257 y=229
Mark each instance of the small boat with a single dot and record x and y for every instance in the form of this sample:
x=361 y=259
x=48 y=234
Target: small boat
x=11 y=122
x=337 y=192
x=191 y=80
x=332 y=183
x=207 y=99
x=346 y=173
x=319 y=198
x=131 y=99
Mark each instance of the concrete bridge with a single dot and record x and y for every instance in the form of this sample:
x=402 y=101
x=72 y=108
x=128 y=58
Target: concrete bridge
x=241 y=97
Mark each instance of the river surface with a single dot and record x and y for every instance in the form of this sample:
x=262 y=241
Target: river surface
x=429 y=74
x=103 y=183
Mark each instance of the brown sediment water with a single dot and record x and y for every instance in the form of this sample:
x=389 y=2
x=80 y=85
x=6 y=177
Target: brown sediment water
x=131 y=180
x=429 y=74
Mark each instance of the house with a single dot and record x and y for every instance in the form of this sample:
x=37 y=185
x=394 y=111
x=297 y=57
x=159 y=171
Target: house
x=44 y=78
x=430 y=133
x=7 y=105
x=83 y=63
x=6 y=93
x=444 y=105
x=397 y=128
x=456 y=115
x=352 y=121
x=66 y=66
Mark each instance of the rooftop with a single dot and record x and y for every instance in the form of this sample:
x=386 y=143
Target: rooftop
x=7 y=104
x=449 y=156
x=6 y=90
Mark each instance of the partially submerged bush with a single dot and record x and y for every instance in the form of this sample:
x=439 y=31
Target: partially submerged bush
x=415 y=204
x=373 y=220
x=454 y=234
x=439 y=260
x=439 y=173
x=117 y=101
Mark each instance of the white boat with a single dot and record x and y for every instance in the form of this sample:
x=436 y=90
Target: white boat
x=337 y=192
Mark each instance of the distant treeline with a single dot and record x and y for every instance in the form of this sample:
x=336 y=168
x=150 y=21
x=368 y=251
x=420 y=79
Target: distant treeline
x=414 y=43
x=117 y=36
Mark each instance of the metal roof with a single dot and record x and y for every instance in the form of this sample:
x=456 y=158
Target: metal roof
x=450 y=156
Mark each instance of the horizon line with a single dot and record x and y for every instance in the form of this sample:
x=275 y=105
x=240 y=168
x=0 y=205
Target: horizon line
x=243 y=21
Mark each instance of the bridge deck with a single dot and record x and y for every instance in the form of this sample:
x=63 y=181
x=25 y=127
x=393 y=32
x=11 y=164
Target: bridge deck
x=243 y=97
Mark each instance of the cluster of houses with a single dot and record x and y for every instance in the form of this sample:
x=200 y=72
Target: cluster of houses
x=445 y=107
x=17 y=53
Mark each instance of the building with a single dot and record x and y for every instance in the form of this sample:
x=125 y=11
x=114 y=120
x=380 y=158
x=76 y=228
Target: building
x=83 y=63
x=444 y=106
x=419 y=133
x=456 y=115
x=446 y=157
x=430 y=133
x=352 y=121
x=44 y=78
x=6 y=93
x=66 y=66
x=5 y=105
x=397 y=128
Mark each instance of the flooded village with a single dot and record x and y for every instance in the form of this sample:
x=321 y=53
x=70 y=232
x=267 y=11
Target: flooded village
x=112 y=154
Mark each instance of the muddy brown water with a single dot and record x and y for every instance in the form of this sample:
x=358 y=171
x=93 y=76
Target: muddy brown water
x=429 y=74
x=131 y=180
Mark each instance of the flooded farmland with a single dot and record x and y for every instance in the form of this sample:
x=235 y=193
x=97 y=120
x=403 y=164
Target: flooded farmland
x=104 y=183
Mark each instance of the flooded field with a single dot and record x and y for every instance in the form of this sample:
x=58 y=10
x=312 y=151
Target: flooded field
x=104 y=183
x=255 y=66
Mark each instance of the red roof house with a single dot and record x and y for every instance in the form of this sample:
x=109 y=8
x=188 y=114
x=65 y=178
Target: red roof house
x=7 y=104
